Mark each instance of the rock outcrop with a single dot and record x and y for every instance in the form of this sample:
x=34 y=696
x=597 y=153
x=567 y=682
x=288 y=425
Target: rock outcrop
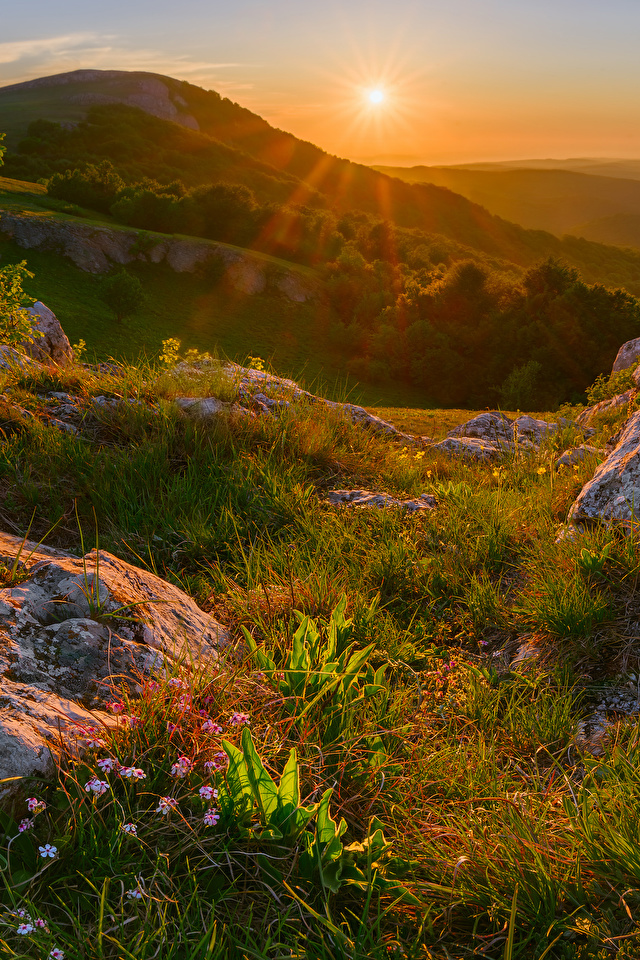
x=97 y=250
x=613 y=493
x=70 y=628
x=493 y=434
x=628 y=354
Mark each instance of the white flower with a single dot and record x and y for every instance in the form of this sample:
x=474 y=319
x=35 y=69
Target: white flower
x=35 y=806
x=129 y=828
x=56 y=954
x=25 y=825
x=166 y=805
x=133 y=773
x=135 y=894
x=176 y=682
x=239 y=719
x=96 y=786
x=210 y=727
x=48 y=851
x=24 y=928
x=108 y=764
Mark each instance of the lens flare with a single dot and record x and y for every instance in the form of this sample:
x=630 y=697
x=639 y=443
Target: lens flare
x=376 y=96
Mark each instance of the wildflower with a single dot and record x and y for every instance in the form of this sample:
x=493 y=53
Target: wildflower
x=208 y=793
x=176 y=682
x=129 y=828
x=25 y=824
x=135 y=894
x=96 y=786
x=541 y=470
x=210 y=727
x=47 y=851
x=184 y=703
x=22 y=913
x=115 y=706
x=24 y=928
x=36 y=806
x=107 y=764
x=182 y=767
x=91 y=737
x=172 y=727
x=42 y=924
x=419 y=455
x=133 y=773
x=152 y=686
x=429 y=473
x=166 y=805
x=211 y=817
x=56 y=954
x=219 y=762
x=239 y=719
x=133 y=721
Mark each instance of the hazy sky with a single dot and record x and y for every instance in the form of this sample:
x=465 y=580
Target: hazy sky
x=463 y=79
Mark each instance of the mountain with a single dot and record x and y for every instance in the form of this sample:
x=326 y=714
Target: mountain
x=165 y=129
x=558 y=200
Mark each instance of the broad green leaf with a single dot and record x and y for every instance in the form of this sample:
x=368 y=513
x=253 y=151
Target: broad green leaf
x=237 y=776
x=264 y=789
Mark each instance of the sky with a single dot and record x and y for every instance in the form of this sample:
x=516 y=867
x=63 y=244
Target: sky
x=461 y=80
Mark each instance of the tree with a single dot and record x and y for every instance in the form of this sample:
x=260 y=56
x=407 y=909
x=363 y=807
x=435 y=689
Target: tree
x=123 y=293
x=16 y=323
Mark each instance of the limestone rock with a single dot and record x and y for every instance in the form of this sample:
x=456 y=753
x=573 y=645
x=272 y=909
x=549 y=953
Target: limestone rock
x=473 y=448
x=51 y=342
x=628 y=353
x=494 y=427
x=613 y=493
x=365 y=498
x=577 y=455
x=587 y=417
x=69 y=629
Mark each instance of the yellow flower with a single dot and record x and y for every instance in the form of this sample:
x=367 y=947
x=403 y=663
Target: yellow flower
x=541 y=470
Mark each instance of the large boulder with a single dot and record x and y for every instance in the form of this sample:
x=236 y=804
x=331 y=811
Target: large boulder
x=628 y=354
x=72 y=628
x=51 y=342
x=613 y=493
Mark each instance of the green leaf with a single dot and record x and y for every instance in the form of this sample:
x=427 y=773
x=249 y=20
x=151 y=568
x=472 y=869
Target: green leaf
x=264 y=788
x=238 y=777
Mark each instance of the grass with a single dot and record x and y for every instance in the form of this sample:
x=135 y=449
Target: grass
x=392 y=778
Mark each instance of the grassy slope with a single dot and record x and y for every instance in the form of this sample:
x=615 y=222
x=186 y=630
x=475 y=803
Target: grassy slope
x=499 y=821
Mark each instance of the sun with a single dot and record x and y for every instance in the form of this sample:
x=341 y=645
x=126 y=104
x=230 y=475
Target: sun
x=376 y=96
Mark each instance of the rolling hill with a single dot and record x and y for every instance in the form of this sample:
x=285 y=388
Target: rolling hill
x=562 y=201
x=197 y=136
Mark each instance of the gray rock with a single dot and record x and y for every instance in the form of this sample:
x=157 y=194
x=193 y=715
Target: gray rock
x=613 y=493
x=72 y=628
x=471 y=447
x=366 y=498
x=495 y=427
x=628 y=353
x=605 y=406
x=577 y=455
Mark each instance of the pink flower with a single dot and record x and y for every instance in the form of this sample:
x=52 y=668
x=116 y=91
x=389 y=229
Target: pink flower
x=182 y=767
x=176 y=682
x=115 y=706
x=208 y=793
x=184 y=703
x=35 y=806
x=22 y=913
x=108 y=764
x=166 y=805
x=56 y=954
x=129 y=828
x=172 y=727
x=219 y=762
x=239 y=719
x=96 y=786
x=210 y=727
x=25 y=825
x=24 y=928
x=133 y=721
x=133 y=773
x=47 y=851
x=135 y=894
x=211 y=817
x=42 y=924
